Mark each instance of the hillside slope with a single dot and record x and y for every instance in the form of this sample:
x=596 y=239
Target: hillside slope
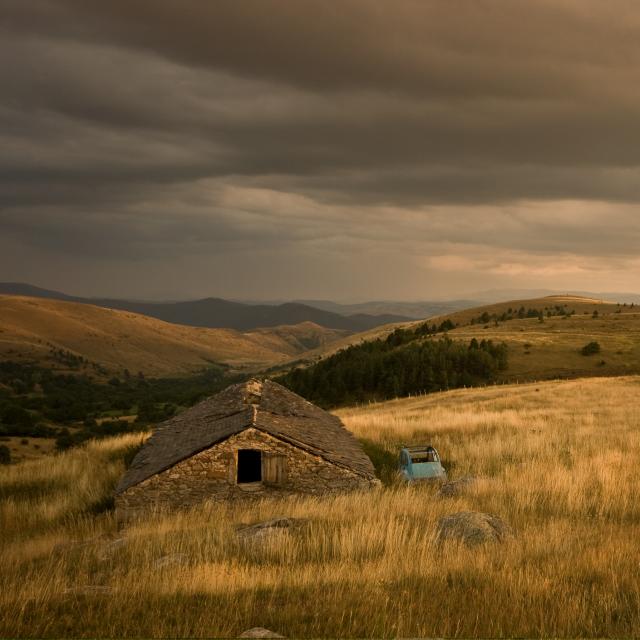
x=544 y=339
x=296 y=339
x=577 y=304
x=38 y=329
x=552 y=349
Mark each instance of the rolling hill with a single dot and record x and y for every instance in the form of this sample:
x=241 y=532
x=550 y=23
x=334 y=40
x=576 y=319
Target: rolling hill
x=219 y=313
x=56 y=333
x=552 y=349
x=578 y=304
x=296 y=339
x=536 y=349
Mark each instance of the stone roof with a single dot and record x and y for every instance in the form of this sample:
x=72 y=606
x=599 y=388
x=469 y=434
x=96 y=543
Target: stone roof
x=266 y=406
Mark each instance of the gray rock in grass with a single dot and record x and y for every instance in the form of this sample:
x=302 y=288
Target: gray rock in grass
x=473 y=528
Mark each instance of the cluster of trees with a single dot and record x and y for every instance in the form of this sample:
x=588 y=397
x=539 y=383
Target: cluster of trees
x=399 y=365
x=93 y=430
x=427 y=329
x=522 y=313
x=38 y=402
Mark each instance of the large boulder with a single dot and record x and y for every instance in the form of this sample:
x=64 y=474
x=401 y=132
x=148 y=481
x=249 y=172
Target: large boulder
x=259 y=632
x=473 y=528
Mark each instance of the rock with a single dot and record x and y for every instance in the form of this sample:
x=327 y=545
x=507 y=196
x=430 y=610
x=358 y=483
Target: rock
x=259 y=632
x=473 y=528
x=269 y=527
x=71 y=545
x=89 y=590
x=172 y=560
x=454 y=488
x=112 y=547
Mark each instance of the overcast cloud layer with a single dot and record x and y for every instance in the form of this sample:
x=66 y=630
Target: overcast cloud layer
x=348 y=150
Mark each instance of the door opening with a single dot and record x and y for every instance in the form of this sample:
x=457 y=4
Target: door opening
x=249 y=465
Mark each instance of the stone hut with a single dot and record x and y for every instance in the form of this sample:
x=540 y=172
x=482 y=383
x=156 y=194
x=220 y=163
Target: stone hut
x=251 y=440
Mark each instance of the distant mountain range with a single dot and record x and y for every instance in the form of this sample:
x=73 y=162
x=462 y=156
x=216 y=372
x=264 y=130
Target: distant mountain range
x=248 y=315
x=414 y=310
x=219 y=313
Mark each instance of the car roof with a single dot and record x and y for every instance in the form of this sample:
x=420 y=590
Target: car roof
x=423 y=449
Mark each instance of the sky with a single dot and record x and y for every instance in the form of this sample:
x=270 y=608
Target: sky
x=351 y=150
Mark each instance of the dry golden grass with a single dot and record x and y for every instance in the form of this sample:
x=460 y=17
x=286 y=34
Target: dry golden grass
x=558 y=461
x=30 y=327
x=552 y=349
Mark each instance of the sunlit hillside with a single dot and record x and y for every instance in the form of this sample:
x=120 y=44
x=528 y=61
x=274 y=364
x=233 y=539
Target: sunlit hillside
x=553 y=348
x=558 y=461
x=39 y=330
x=578 y=304
x=538 y=350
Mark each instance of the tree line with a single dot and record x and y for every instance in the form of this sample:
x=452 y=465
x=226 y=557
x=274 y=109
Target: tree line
x=38 y=402
x=398 y=365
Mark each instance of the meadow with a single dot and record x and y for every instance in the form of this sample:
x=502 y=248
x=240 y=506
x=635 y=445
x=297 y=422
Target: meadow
x=557 y=460
x=551 y=349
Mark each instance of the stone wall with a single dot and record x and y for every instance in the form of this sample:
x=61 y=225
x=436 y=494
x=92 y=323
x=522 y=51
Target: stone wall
x=211 y=475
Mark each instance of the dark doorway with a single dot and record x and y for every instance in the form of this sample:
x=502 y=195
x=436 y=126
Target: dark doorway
x=249 y=465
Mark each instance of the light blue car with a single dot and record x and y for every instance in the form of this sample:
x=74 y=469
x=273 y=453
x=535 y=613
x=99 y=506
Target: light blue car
x=421 y=463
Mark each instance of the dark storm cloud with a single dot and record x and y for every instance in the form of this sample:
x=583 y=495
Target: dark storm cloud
x=487 y=47
x=149 y=128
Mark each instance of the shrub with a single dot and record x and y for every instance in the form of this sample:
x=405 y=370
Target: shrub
x=5 y=454
x=590 y=349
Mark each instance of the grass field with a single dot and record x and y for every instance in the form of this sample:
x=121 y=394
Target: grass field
x=552 y=349
x=557 y=460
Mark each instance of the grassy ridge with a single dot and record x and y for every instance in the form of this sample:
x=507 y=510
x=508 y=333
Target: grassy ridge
x=557 y=460
x=553 y=348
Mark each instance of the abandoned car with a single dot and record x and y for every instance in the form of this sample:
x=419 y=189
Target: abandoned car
x=421 y=463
